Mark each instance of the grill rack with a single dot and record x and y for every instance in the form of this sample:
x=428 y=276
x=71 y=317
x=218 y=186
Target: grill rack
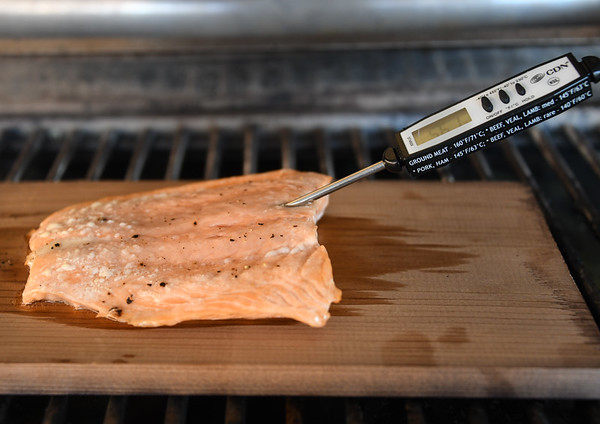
x=560 y=162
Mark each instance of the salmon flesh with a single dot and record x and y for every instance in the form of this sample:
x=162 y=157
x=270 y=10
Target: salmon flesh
x=210 y=250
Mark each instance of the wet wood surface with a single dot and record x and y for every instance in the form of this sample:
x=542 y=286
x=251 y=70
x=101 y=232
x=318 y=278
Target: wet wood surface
x=448 y=290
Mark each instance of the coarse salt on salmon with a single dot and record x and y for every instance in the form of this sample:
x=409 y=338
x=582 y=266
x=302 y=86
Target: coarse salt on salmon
x=210 y=250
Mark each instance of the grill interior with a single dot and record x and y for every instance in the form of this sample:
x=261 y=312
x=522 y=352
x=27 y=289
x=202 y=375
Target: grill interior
x=351 y=106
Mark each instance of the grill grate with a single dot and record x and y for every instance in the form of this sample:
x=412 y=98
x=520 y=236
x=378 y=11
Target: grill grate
x=560 y=163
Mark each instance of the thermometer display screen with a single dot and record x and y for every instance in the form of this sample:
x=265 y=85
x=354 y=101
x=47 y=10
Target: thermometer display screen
x=441 y=126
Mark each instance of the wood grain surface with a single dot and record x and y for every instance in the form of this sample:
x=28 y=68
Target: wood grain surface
x=448 y=290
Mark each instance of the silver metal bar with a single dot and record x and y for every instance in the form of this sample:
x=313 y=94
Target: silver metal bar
x=585 y=148
x=213 y=157
x=288 y=152
x=250 y=149
x=342 y=182
x=55 y=410
x=32 y=145
x=61 y=162
x=178 y=148
x=176 y=411
x=324 y=152
x=568 y=178
x=115 y=410
x=235 y=410
x=101 y=156
x=481 y=165
x=140 y=154
x=255 y=19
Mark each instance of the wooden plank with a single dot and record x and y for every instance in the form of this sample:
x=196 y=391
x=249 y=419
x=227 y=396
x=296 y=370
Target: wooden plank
x=448 y=290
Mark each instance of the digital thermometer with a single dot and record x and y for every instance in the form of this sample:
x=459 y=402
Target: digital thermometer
x=491 y=115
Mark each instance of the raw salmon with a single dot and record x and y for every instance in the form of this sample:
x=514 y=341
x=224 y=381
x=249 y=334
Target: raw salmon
x=209 y=250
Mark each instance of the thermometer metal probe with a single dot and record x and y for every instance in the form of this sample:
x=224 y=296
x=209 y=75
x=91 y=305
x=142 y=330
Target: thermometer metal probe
x=476 y=122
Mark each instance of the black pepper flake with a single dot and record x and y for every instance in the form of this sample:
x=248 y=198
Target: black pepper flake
x=272 y=235
x=135 y=236
x=261 y=223
x=109 y=293
x=280 y=235
x=56 y=244
x=102 y=219
x=116 y=310
x=195 y=223
x=231 y=240
x=142 y=264
x=149 y=284
x=162 y=284
x=294 y=226
x=130 y=299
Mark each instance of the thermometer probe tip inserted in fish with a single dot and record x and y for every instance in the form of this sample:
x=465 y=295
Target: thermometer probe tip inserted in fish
x=476 y=122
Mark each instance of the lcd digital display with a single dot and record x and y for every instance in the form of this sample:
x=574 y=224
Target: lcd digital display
x=441 y=126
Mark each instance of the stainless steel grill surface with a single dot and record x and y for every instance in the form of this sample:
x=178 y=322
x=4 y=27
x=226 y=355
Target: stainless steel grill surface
x=335 y=117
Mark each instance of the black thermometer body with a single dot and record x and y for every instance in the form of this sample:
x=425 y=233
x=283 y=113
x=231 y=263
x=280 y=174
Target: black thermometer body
x=500 y=111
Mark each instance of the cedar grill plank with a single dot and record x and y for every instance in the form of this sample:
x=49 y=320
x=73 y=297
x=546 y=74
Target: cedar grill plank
x=448 y=290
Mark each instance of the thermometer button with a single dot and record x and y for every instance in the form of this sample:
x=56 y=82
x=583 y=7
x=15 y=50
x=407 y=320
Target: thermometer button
x=486 y=104
x=503 y=96
x=520 y=89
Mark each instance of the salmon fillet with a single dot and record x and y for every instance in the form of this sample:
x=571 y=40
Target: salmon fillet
x=210 y=250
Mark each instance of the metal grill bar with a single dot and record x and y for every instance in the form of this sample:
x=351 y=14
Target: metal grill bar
x=32 y=145
x=482 y=166
x=288 y=153
x=55 y=410
x=178 y=149
x=235 y=410
x=293 y=410
x=566 y=175
x=324 y=152
x=250 y=152
x=213 y=158
x=176 y=410
x=101 y=155
x=115 y=410
x=140 y=154
x=63 y=158
x=446 y=174
x=584 y=147
x=360 y=149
